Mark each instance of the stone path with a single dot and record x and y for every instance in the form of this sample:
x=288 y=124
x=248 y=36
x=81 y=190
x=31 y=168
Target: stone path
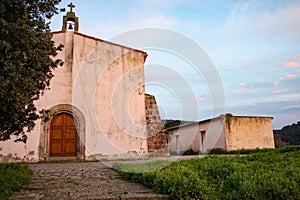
x=85 y=180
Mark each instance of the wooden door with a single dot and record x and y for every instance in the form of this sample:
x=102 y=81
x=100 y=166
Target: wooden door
x=63 y=136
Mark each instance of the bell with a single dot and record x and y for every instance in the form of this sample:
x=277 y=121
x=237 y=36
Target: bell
x=70 y=26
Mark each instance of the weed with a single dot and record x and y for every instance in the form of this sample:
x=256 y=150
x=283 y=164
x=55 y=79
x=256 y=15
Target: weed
x=72 y=182
x=51 y=179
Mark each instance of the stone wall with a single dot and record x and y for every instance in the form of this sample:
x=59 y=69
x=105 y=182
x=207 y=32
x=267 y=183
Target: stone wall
x=156 y=135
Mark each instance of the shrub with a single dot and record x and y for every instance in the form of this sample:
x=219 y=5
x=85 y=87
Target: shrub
x=278 y=142
x=186 y=152
x=240 y=151
x=273 y=174
x=12 y=178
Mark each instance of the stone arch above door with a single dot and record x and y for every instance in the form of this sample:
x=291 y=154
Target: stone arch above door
x=44 y=153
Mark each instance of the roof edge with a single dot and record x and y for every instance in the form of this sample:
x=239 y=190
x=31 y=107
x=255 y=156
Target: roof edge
x=211 y=119
x=100 y=40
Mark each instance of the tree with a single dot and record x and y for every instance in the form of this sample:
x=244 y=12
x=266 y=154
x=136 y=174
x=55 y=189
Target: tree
x=26 y=62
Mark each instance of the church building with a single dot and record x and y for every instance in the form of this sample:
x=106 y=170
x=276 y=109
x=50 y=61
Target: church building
x=96 y=105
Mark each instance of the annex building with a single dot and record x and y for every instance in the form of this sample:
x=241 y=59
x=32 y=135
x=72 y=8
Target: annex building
x=226 y=132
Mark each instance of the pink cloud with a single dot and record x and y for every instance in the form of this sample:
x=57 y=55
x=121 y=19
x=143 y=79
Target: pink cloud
x=198 y=98
x=253 y=65
x=243 y=88
x=291 y=64
x=279 y=91
x=275 y=83
x=298 y=70
x=242 y=84
x=240 y=90
x=291 y=76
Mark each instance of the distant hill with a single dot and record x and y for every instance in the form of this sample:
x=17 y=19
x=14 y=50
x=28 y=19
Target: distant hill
x=290 y=134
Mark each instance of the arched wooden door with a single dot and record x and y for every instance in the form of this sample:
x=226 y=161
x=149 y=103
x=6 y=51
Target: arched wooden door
x=63 y=136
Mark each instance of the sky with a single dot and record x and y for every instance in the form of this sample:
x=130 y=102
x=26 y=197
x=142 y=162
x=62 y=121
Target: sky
x=252 y=50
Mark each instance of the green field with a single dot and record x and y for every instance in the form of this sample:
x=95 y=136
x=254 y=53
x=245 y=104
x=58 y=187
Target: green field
x=272 y=174
x=12 y=178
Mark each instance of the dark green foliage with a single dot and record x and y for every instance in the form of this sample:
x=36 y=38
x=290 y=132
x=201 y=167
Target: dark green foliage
x=187 y=152
x=240 y=151
x=219 y=151
x=12 y=178
x=168 y=123
x=25 y=62
x=274 y=174
x=290 y=134
x=278 y=142
x=171 y=123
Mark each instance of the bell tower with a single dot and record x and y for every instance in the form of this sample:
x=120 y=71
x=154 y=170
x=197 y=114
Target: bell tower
x=70 y=19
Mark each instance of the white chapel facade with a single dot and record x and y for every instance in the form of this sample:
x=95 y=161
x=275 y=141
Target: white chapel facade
x=95 y=105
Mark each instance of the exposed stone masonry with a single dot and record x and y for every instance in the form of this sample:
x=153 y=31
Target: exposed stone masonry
x=156 y=135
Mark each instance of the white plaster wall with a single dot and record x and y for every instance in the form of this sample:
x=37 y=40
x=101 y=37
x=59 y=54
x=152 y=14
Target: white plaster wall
x=215 y=134
x=105 y=82
x=184 y=138
x=107 y=85
x=190 y=136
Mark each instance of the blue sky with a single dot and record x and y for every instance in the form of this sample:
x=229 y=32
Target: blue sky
x=254 y=45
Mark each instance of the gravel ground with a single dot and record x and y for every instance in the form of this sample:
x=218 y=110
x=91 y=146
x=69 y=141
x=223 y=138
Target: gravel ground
x=81 y=180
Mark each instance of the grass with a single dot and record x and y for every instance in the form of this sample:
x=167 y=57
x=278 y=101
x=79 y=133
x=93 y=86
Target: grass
x=251 y=151
x=224 y=152
x=51 y=179
x=12 y=178
x=270 y=174
x=70 y=181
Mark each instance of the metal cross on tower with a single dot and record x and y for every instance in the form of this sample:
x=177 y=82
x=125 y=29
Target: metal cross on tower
x=71 y=5
x=70 y=19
